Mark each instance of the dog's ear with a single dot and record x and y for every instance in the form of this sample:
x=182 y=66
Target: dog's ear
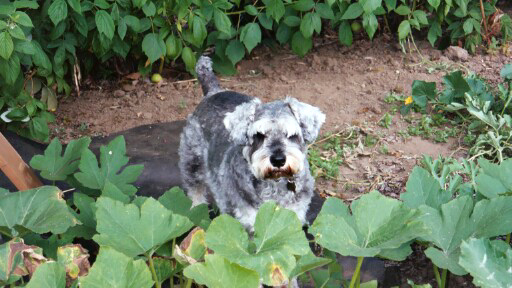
x=238 y=121
x=310 y=118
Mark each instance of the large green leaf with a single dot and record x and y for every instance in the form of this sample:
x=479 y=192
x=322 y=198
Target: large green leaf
x=175 y=200
x=454 y=88
x=274 y=9
x=221 y=20
x=376 y=223
x=423 y=188
x=449 y=226
x=6 y=45
x=112 y=159
x=423 y=91
x=40 y=210
x=53 y=166
x=370 y=24
x=135 y=231
x=489 y=262
x=308 y=262
x=278 y=237
x=493 y=179
x=506 y=72
x=105 y=23
x=354 y=11
x=301 y=45
x=345 y=34
x=58 y=11
x=370 y=5
x=492 y=217
x=48 y=275
x=458 y=220
x=22 y=18
x=310 y=22
x=114 y=269
x=235 y=51
x=250 y=35
x=218 y=272
x=153 y=46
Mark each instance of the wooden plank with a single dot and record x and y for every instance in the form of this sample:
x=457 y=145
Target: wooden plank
x=18 y=172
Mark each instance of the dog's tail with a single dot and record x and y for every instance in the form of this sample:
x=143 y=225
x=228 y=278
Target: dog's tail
x=209 y=82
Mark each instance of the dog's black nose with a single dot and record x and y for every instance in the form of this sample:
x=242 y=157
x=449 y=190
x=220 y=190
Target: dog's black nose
x=278 y=160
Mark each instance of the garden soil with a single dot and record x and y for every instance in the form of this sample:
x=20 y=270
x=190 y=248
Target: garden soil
x=349 y=84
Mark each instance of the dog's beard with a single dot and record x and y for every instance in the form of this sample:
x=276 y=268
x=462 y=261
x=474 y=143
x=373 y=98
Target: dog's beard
x=263 y=169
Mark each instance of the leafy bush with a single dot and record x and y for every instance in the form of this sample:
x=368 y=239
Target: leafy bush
x=45 y=48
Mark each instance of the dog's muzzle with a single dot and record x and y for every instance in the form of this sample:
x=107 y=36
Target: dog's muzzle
x=279 y=167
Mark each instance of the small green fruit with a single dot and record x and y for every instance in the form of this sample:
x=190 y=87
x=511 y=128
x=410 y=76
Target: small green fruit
x=356 y=26
x=156 y=78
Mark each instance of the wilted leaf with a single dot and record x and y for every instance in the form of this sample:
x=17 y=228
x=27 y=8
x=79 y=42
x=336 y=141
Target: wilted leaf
x=118 y=270
x=112 y=159
x=193 y=245
x=40 y=210
x=135 y=231
x=55 y=167
x=17 y=258
x=175 y=200
x=278 y=237
x=218 y=272
x=75 y=259
x=489 y=262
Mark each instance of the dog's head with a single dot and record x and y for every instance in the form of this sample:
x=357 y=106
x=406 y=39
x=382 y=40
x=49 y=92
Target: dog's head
x=274 y=135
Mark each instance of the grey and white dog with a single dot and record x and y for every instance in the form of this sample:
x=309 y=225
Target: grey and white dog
x=238 y=153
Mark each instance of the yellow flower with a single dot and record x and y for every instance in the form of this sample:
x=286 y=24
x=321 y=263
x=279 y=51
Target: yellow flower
x=408 y=100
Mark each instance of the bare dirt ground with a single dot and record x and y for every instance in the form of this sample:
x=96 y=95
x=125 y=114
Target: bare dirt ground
x=348 y=84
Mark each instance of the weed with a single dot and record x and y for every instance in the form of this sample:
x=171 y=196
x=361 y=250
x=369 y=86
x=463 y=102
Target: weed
x=385 y=121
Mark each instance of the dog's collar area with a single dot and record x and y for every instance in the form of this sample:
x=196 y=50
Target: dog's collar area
x=290 y=185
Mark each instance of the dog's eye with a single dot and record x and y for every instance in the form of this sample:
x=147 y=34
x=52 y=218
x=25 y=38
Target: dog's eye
x=294 y=138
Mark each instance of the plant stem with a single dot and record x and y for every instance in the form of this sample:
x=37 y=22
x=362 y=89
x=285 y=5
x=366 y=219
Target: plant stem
x=153 y=271
x=355 y=277
x=438 y=277
x=189 y=283
x=161 y=68
x=443 y=278
x=485 y=22
x=508 y=100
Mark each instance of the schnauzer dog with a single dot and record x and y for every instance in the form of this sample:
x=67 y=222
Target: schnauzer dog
x=238 y=153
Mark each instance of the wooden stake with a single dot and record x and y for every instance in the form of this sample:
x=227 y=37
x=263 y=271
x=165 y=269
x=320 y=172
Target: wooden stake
x=18 y=172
